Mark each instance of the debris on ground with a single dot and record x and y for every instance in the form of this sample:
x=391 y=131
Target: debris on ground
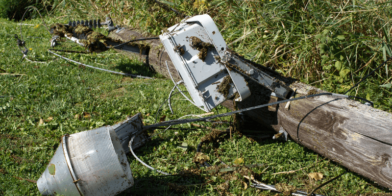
x=200 y=158
x=285 y=188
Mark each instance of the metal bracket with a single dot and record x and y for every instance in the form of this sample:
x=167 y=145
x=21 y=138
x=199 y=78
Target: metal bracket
x=282 y=135
x=53 y=41
x=246 y=69
x=68 y=161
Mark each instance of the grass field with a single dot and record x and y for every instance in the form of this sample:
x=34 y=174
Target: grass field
x=40 y=102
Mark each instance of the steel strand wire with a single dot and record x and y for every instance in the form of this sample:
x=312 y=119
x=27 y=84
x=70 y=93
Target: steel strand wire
x=101 y=69
x=134 y=40
x=171 y=77
x=171 y=93
x=24 y=52
x=21 y=23
x=193 y=115
x=175 y=122
x=143 y=163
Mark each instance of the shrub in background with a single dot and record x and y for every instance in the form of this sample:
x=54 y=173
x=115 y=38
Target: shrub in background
x=14 y=9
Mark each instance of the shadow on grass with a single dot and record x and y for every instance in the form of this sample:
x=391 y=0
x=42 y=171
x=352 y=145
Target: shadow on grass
x=133 y=68
x=164 y=185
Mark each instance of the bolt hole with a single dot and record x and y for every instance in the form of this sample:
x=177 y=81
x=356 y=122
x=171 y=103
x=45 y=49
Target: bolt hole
x=222 y=48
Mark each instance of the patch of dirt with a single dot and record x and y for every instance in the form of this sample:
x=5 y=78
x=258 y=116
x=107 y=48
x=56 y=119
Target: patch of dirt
x=61 y=30
x=312 y=92
x=200 y=158
x=212 y=136
x=201 y=46
x=81 y=29
x=96 y=41
x=224 y=86
x=93 y=41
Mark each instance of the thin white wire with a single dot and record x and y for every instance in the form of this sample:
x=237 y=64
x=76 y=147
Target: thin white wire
x=125 y=74
x=25 y=56
x=168 y=70
x=143 y=163
x=193 y=115
x=171 y=93
x=74 y=39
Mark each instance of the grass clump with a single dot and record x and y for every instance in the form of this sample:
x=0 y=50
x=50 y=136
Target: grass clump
x=224 y=87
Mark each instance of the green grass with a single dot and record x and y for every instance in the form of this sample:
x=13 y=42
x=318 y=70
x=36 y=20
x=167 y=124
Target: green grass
x=63 y=90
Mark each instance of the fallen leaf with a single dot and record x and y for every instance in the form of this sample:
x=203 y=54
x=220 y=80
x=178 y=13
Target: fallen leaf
x=249 y=178
x=245 y=185
x=77 y=116
x=162 y=118
x=200 y=158
x=86 y=115
x=239 y=161
x=276 y=136
x=41 y=122
x=316 y=176
x=184 y=146
x=147 y=115
x=49 y=119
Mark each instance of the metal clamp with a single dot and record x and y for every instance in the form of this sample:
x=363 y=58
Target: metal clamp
x=68 y=160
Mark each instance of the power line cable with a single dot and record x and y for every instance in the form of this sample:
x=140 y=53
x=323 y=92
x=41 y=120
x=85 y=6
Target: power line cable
x=101 y=69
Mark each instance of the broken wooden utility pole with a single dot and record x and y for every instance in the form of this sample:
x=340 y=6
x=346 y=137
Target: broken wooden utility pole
x=352 y=134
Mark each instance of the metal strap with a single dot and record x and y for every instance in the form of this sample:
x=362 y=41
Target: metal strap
x=68 y=160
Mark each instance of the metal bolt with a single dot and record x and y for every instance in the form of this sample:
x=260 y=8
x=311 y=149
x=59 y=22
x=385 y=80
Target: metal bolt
x=251 y=71
x=368 y=104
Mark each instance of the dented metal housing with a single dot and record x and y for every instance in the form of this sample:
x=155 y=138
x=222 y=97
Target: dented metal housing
x=199 y=64
x=88 y=163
